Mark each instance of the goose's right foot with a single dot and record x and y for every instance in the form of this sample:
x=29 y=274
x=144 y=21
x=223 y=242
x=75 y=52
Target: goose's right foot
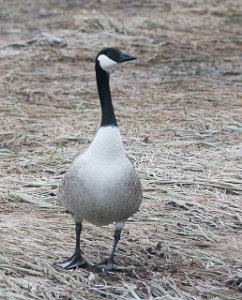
x=75 y=261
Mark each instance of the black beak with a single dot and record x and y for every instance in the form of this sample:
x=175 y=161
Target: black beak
x=126 y=57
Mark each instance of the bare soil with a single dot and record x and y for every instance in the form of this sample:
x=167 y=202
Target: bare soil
x=179 y=109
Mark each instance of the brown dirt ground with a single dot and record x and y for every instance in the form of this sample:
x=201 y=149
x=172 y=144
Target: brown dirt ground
x=179 y=108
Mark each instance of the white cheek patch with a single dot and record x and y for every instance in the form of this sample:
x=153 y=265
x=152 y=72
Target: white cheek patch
x=106 y=63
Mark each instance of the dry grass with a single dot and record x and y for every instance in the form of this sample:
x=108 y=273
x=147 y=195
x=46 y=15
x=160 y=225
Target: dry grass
x=179 y=108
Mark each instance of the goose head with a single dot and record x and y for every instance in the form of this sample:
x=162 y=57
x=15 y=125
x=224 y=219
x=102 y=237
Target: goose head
x=108 y=58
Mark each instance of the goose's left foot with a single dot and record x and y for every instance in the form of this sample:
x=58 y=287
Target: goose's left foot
x=108 y=265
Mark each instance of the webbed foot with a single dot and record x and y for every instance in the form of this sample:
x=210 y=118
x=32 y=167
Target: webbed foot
x=73 y=262
x=108 y=265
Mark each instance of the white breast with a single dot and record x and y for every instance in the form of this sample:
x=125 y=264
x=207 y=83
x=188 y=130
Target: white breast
x=104 y=161
x=106 y=145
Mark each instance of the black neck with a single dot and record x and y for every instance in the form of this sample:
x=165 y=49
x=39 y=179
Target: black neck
x=108 y=116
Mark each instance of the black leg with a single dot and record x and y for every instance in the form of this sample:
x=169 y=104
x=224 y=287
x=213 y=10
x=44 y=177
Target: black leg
x=110 y=264
x=116 y=236
x=76 y=260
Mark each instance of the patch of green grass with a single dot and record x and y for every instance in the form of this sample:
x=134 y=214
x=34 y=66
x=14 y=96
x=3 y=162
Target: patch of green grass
x=234 y=20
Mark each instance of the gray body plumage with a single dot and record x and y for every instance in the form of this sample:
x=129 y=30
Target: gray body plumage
x=101 y=185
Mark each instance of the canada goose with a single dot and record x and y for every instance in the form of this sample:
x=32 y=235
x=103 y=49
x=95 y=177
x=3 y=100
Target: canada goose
x=101 y=185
